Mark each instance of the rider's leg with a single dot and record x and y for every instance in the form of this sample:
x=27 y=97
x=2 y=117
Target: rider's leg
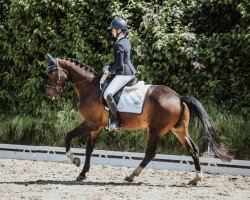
x=115 y=85
x=115 y=122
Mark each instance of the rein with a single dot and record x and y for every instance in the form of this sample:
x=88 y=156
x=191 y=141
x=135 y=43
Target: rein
x=77 y=83
x=59 y=91
x=54 y=87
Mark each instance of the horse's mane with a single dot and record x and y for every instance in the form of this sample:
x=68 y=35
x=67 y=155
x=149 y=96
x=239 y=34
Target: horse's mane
x=81 y=65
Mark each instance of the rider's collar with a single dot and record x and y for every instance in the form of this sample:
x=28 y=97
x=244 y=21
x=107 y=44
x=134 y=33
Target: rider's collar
x=120 y=37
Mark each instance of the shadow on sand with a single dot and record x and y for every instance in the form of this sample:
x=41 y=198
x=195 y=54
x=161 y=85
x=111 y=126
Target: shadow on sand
x=94 y=183
x=74 y=182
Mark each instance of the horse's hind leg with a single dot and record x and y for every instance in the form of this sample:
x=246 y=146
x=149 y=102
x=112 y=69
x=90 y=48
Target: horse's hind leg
x=152 y=140
x=181 y=131
x=193 y=151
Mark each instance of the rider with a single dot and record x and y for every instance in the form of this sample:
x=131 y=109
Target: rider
x=122 y=68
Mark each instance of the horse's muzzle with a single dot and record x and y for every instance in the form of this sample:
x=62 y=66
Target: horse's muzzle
x=52 y=94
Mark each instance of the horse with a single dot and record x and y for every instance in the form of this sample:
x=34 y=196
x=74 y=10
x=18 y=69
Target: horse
x=164 y=110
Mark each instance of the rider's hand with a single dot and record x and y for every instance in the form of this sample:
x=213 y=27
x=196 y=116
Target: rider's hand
x=105 y=69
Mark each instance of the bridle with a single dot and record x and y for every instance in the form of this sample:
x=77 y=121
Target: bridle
x=60 y=89
x=57 y=89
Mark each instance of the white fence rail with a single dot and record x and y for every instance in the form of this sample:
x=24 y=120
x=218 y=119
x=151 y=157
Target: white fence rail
x=125 y=159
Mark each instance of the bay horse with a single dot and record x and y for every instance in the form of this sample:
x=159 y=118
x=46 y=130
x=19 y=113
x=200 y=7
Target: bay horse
x=163 y=110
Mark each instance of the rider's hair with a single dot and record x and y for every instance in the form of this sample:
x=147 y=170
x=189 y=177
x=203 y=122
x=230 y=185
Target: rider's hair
x=126 y=32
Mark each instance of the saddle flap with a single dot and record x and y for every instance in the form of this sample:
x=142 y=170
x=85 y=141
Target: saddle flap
x=133 y=101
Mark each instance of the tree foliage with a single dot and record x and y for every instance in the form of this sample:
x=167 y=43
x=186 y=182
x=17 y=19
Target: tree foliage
x=197 y=47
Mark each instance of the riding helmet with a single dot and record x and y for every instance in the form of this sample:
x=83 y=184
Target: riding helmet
x=118 y=24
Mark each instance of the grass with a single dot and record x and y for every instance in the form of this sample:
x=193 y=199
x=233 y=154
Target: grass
x=48 y=126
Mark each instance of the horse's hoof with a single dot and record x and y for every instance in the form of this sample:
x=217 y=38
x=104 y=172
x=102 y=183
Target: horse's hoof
x=77 y=161
x=192 y=182
x=81 y=178
x=199 y=177
x=129 y=179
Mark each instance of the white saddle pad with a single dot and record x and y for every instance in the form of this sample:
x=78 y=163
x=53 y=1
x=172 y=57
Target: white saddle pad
x=133 y=101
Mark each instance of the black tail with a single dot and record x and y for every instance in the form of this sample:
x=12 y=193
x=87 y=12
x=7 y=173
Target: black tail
x=197 y=110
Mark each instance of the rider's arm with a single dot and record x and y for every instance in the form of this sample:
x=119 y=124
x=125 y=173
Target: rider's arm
x=118 y=58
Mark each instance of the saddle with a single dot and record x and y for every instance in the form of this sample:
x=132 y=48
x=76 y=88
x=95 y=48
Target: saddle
x=130 y=86
x=129 y=98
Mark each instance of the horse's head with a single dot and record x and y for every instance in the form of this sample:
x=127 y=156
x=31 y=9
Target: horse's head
x=57 y=78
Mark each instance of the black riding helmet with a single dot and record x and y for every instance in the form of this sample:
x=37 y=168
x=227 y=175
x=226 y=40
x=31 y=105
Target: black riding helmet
x=118 y=24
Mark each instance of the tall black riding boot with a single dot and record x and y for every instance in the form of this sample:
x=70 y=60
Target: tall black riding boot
x=114 y=122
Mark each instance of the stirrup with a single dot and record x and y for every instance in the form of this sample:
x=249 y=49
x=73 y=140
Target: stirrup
x=113 y=125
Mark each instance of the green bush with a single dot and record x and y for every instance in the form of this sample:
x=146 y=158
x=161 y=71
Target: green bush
x=199 y=48
x=49 y=127
x=172 y=40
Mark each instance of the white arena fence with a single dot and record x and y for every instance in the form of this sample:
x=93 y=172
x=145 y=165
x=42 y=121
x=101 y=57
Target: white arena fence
x=125 y=159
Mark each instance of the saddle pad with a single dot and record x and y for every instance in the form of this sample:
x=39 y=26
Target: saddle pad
x=133 y=101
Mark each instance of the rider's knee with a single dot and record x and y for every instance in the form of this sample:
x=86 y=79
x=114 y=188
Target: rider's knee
x=108 y=96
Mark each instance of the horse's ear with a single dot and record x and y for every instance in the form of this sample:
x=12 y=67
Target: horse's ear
x=52 y=61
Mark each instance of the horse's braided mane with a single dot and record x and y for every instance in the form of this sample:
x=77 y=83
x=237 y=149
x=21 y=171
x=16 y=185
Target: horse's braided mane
x=81 y=65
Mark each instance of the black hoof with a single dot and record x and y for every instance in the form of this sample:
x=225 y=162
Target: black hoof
x=192 y=182
x=129 y=179
x=81 y=178
x=77 y=161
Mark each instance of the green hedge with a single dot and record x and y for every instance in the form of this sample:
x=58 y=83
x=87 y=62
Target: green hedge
x=48 y=127
x=199 y=48
x=172 y=40
x=178 y=49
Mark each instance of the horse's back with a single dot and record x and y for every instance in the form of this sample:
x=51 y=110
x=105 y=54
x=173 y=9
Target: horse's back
x=161 y=107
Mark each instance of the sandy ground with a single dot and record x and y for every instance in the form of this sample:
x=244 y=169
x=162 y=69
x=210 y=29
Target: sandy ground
x=22 y=179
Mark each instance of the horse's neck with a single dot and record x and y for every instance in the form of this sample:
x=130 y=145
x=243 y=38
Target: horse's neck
x=83 y=79
x=87 y=87
x=76 y=76
x=75 y=73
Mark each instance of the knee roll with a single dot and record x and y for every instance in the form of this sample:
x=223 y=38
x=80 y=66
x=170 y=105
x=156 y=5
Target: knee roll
x=110 y=98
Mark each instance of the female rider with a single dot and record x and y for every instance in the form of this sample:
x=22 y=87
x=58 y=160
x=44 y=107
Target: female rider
x=122 y=68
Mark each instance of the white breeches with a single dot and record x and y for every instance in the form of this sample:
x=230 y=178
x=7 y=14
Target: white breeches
x=116 y=84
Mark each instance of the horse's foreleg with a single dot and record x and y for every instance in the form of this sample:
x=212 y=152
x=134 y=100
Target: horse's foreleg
x=84 y=128
x=89 y=150
x=149 y=155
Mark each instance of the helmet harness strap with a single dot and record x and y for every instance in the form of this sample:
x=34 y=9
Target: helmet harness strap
x=118 y=34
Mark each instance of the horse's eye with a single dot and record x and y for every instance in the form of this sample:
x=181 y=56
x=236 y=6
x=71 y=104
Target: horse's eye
x=51 y=75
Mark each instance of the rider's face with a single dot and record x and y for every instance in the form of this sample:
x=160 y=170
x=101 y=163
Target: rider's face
x=116 y=32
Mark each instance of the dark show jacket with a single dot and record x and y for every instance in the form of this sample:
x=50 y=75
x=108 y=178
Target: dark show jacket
x=122 y=64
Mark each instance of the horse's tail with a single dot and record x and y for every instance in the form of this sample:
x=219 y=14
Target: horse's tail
x=196 y=110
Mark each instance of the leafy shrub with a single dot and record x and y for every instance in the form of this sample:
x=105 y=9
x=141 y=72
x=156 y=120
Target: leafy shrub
x=199 y=48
